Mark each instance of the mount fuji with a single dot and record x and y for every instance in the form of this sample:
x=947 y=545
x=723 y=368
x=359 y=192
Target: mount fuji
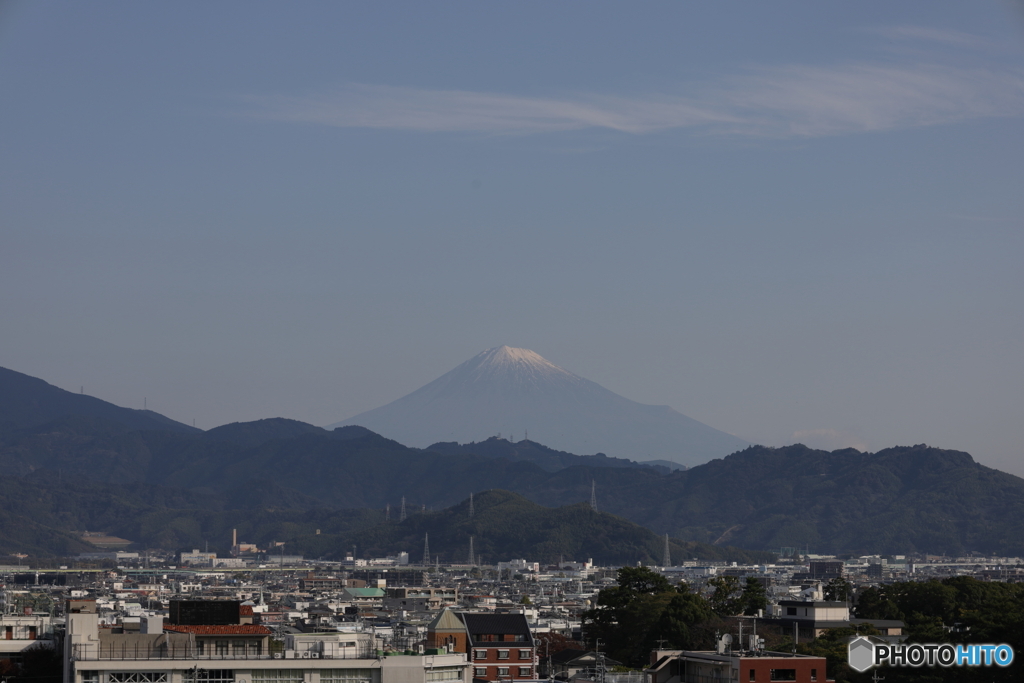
x=511 y=391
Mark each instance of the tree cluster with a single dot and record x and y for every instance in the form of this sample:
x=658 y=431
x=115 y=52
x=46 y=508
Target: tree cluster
x=644 y=611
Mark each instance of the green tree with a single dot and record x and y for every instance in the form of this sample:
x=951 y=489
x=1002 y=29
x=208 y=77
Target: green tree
x=628 y=617
x=754 y=597
x=725 y=600
x=678 y=621
x=837 y=590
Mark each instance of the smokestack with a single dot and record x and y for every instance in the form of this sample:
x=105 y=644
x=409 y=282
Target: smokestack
x=234 y=538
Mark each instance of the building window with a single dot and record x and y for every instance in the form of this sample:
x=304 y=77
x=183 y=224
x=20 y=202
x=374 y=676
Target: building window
x=524 y=672
x=782 y=674
x=502 y=654
x=753 y=676
x=212 y=676
x=90 y=677
x=222 y=647
x=502 y=671
x=525 y=654
x=814 y=674
x=344 y=676
x=791 y=611
x=480 y=671
x=280 y=675
x=137 y=677
x=442 y=673
x=518 y=638
x=480 y=654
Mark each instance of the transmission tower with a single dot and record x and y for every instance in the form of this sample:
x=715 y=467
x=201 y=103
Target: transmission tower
x=401 y=517
x=471 y=506
x=667 y=561
x=471 y=550
x=387 y=512
x=593 y=495
x=426 y=549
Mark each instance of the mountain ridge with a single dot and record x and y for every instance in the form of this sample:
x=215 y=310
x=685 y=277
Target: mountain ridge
x=504 y=390
x=27 y=401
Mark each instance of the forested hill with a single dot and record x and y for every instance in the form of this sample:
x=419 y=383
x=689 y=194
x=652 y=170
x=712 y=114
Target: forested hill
x=547 y=459
x=505 y=525
x=27 y=401
x=899 y=500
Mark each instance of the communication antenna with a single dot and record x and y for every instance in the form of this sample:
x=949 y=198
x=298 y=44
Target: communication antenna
x=423 y=508
x=667 y=560
x=526 y=435
x=401 y=517
x=593 y=495
x=426 y=549
x=471 y=505
x=471 y=550
x=387 y=512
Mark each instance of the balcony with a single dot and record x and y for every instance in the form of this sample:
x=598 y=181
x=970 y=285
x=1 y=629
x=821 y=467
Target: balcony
x=145 y=651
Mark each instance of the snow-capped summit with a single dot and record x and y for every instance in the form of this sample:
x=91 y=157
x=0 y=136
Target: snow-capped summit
x=509 y=364
x=512 y=391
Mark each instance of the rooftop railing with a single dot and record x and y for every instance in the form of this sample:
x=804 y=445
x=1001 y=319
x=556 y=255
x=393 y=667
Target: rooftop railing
x=144 y=651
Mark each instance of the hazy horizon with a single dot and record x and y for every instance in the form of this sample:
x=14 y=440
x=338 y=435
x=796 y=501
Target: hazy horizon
x=793 y=223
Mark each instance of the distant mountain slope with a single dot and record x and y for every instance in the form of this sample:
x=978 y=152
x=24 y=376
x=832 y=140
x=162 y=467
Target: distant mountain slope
x=506 y=525
x=506 y=390
x=261 y=431
x=898 y=500
x=28 y=402
x=546 y=458
x=894 y=501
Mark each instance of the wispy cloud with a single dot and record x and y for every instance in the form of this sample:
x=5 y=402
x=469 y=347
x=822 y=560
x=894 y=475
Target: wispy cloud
x=780 y=101
x=928 y=33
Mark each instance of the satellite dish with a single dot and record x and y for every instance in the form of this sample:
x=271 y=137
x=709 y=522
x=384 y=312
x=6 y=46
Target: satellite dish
x=727 y=639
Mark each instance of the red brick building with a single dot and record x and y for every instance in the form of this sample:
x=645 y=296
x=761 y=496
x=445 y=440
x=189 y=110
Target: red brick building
x=500 y=646
x=685 y=666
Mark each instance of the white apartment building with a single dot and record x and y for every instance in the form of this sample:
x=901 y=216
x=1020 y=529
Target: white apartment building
x=96 y=656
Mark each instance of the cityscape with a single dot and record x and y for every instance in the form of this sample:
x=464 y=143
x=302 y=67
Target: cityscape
x=547 y=342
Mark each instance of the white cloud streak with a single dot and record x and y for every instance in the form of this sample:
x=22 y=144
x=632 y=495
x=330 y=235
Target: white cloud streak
x=780 y=102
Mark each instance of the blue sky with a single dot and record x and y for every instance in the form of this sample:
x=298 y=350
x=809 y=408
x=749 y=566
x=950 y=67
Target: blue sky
x=792 y=221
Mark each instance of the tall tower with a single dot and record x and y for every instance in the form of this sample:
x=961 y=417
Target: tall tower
x=593 y=495
x=401 y=517
x=471 y=505
x=387 y=512
x=426 y=549
x=471 y=556
x=667 y=560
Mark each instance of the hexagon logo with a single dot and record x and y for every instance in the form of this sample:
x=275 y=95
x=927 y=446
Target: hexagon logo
x=861 y=654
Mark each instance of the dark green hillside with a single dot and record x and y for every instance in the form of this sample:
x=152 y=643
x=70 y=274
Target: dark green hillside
x=898 y=500
x=27 y=402
x=548 y=459
x=39 y=514
x=250 y=434
x=506 y=525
